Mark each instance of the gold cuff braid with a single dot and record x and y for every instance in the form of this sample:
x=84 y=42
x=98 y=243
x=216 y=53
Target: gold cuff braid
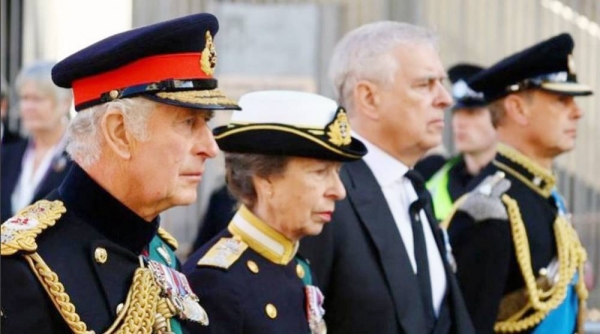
x=571 y=256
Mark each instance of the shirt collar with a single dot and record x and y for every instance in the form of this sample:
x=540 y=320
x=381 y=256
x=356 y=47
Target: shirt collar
x=95 y=206
x=386 y=168
x=526 y=170
x=262 y=238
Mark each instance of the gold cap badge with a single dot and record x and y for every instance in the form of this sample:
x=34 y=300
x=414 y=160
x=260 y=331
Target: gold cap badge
x=208 y=60
x=339 y=129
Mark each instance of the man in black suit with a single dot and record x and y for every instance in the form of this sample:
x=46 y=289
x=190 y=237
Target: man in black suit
x=382 y=263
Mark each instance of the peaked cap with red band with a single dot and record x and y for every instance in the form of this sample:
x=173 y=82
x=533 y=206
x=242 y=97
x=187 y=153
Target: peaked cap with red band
x=170 y=62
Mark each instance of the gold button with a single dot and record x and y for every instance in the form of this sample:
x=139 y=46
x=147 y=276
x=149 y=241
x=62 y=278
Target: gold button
x=543 y=272
x=100 y=255
x=252 y=266
x=271 y=311
x=113 y=94
x=120 y=308
x=300 y=271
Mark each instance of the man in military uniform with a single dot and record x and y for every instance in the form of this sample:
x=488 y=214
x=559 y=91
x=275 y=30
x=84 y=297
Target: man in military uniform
x=474 y=137
x=519 y=259
x=91 y=257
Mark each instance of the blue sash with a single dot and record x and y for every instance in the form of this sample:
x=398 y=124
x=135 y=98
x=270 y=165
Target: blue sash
x=563 y=319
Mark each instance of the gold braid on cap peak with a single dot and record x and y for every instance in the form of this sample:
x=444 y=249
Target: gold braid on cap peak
x=571 y=257
x=213 y=96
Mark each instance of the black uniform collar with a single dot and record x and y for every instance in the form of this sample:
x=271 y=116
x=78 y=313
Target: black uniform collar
x=527 y=171
x=95 y=206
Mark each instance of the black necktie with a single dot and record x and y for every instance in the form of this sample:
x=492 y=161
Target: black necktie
x=420 y=246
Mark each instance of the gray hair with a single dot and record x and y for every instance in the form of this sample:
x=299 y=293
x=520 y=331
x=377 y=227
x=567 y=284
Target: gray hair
x=84 y=133
x=40 y=72
x=366 y=53
x=241 y=167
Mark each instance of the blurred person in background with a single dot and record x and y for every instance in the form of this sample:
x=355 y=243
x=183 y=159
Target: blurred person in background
x=8 y=136
x=474 y=139
x=33 y=167
x=283 y=155
x=382 y=262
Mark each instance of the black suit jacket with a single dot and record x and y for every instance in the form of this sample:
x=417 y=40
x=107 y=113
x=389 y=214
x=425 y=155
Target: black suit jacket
x=12 y=157
x=364 y=269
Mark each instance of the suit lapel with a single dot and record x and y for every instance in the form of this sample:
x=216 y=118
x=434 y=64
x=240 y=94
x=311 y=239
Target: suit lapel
x=370 y=204
x=457 y=313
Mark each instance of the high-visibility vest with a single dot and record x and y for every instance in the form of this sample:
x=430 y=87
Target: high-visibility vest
x=438 y=187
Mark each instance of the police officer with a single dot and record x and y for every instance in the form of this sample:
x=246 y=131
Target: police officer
x=284 y=153
x=519 y=259
x=92 y=257
x=474 y=138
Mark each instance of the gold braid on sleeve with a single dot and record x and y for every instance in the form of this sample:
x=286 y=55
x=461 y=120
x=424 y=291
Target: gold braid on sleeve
x=571 y=257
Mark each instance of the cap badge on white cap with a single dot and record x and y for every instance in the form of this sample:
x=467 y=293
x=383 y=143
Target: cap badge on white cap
x=339 y=129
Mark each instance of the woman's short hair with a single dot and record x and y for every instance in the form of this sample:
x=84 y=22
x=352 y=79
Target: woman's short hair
x=241 y=167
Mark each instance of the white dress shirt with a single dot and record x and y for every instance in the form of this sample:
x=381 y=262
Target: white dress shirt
x=399 y=194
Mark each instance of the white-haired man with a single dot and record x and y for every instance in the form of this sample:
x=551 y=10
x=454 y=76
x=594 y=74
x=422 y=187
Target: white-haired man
x=382 y=263
x=92 y=257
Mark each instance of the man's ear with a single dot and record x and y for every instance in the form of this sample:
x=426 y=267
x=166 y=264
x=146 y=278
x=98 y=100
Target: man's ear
x=516 y=109
x=118 y=139
x=367 y=98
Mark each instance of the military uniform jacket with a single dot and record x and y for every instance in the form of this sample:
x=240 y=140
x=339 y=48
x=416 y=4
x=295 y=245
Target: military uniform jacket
x=92 y=247
x=362 y=266
x=249 y=280
x=483 y=239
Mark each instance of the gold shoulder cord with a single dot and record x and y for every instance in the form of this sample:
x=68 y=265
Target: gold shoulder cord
x=571 y=256
x=144 y=310
x=168 y=238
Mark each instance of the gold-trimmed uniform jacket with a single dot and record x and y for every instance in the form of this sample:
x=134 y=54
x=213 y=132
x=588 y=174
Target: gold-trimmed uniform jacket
x=515 y=249
x=252 y=281
x=72 y=264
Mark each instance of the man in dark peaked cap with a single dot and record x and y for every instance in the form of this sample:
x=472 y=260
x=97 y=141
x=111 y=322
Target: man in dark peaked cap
x=474 y=138
x=519 y=260
x=92 y=257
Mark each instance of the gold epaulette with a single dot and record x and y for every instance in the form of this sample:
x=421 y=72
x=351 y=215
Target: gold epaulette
x=224 y=253
x=19 y=232
x=168 y=238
